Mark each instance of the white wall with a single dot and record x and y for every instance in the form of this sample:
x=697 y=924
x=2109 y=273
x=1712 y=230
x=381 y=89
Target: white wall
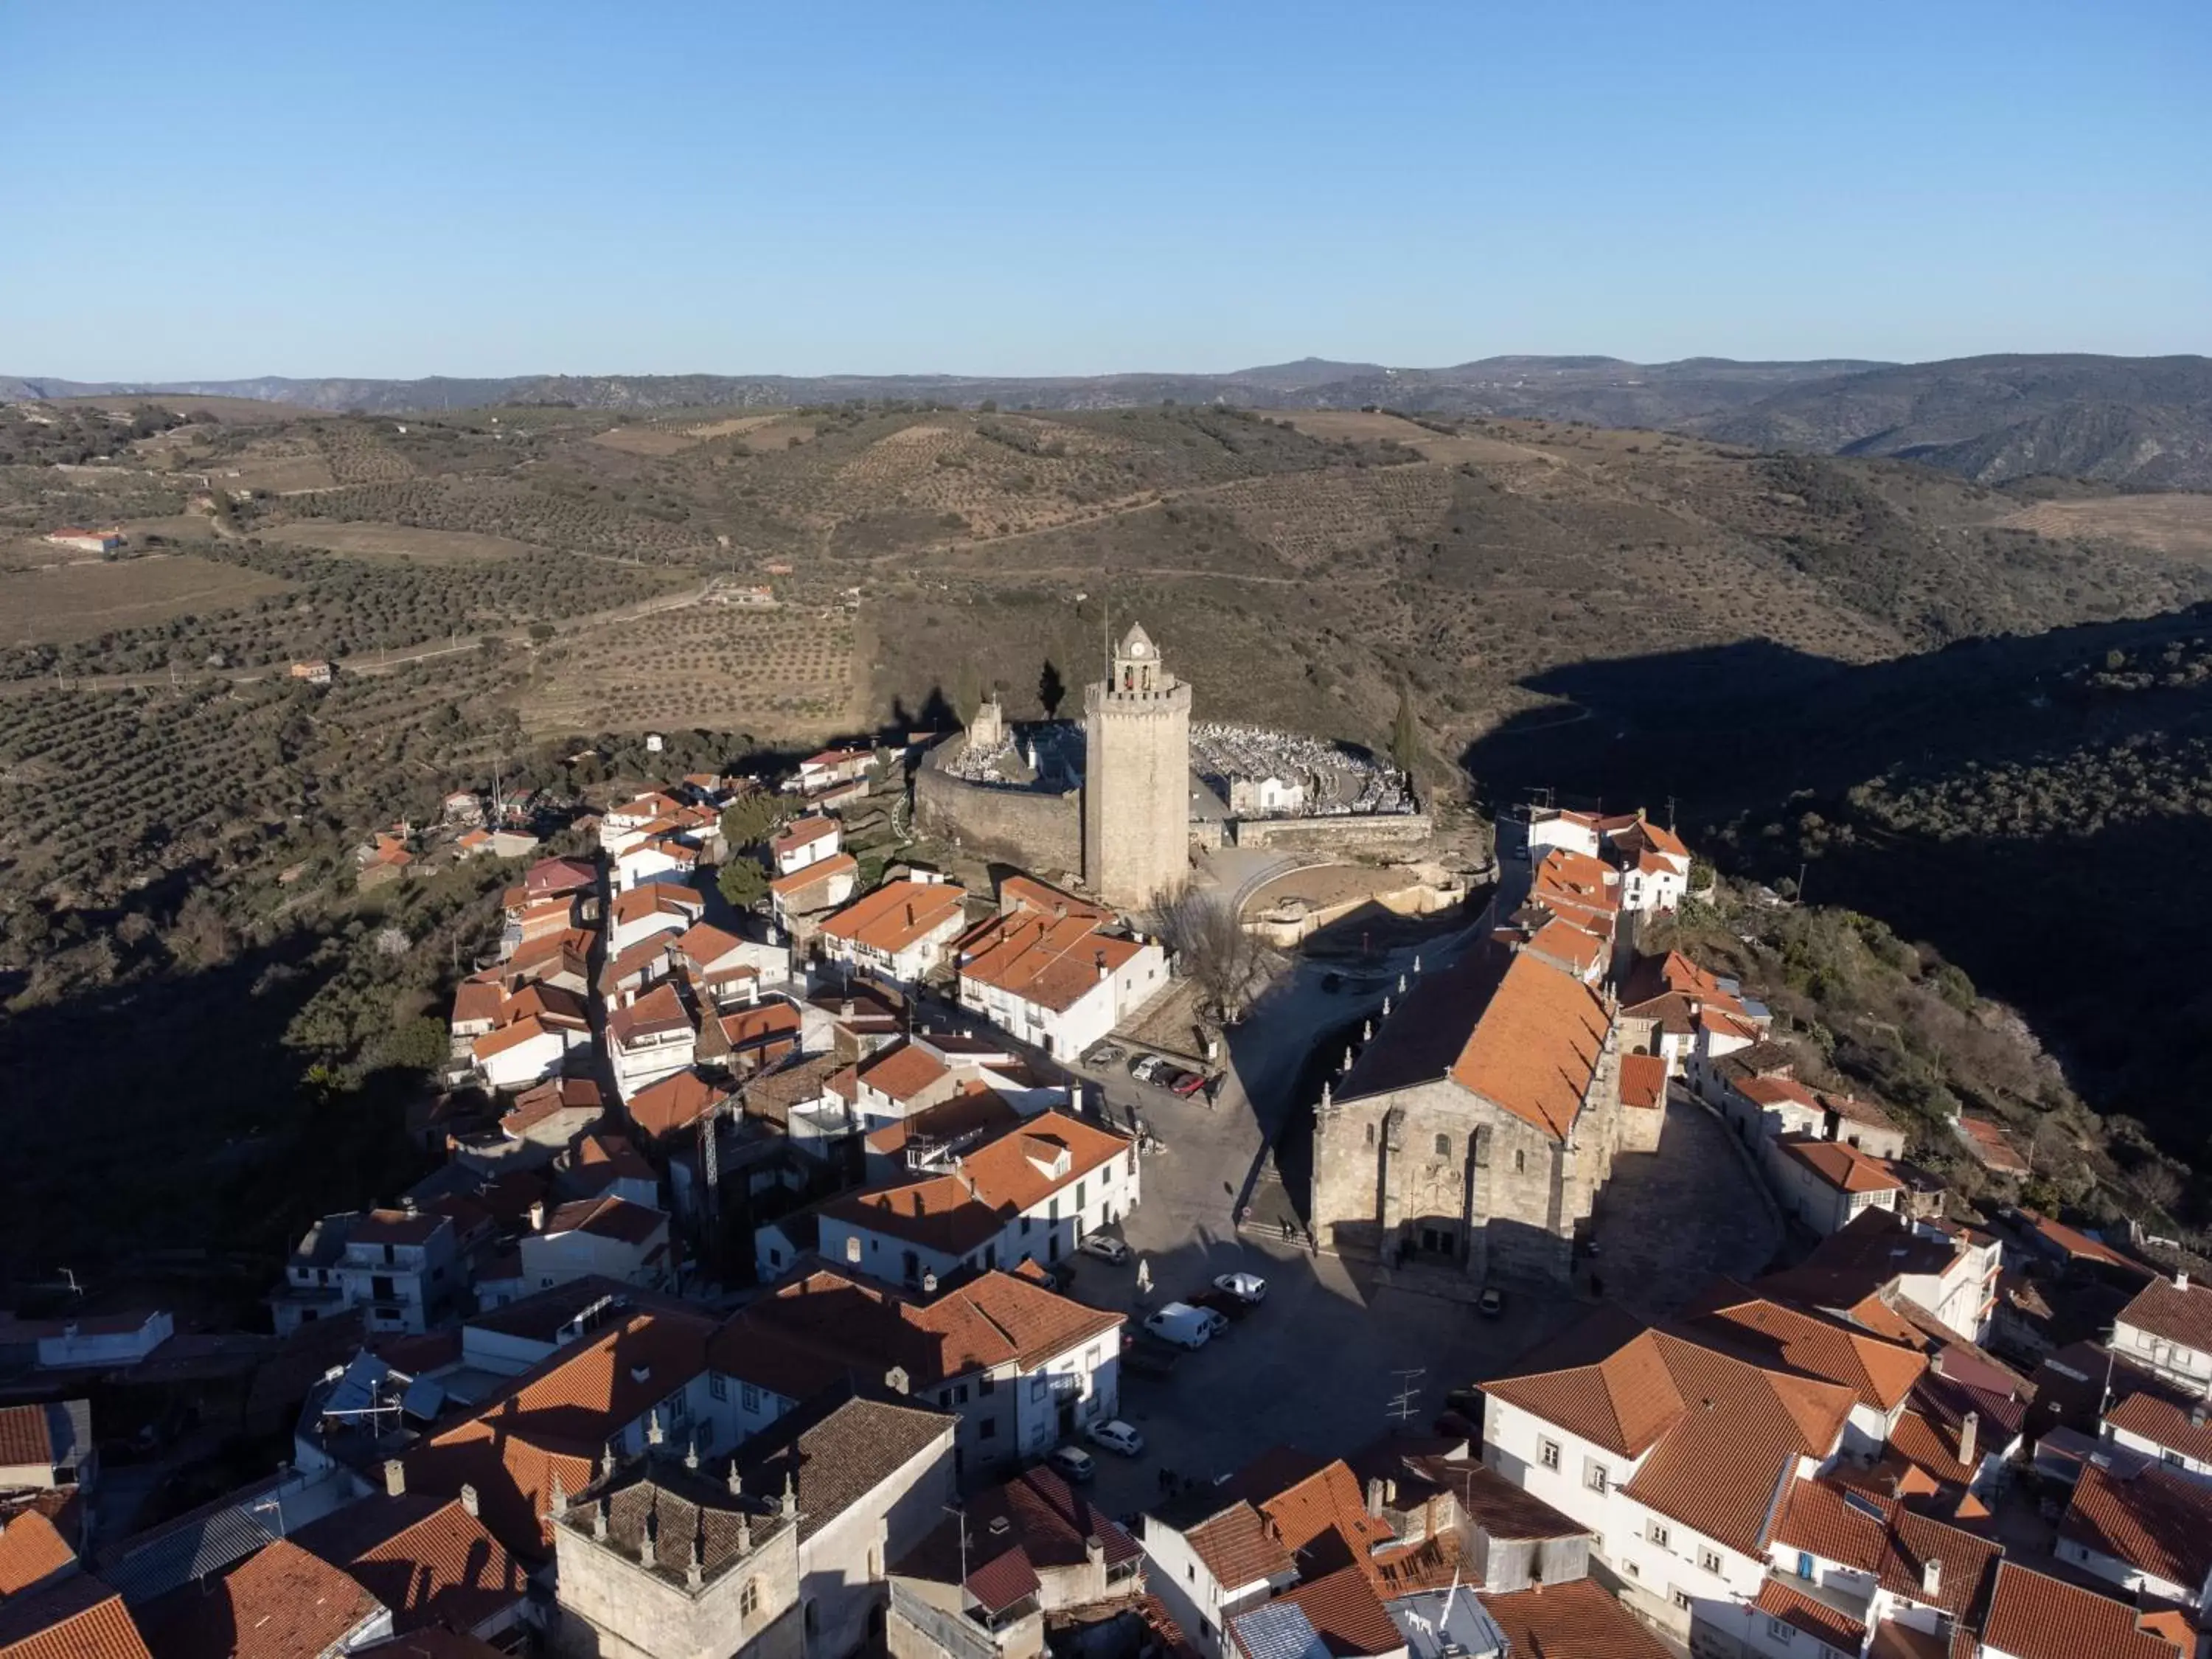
x=2187 y=1366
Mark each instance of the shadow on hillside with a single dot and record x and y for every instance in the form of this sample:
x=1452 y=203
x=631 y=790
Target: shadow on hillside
x=1743 y=740
x=164 y=1113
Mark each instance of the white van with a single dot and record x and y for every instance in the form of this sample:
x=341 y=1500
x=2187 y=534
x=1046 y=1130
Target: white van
x=1181 y=1324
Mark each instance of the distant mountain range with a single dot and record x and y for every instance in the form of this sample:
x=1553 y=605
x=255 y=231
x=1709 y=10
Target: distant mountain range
x=2145 y=423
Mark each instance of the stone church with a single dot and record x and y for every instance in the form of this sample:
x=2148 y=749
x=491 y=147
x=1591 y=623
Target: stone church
x=1478 y=1124
x=1136 y=778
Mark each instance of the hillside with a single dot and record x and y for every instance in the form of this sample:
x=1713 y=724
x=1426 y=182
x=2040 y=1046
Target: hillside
x=2144 y=421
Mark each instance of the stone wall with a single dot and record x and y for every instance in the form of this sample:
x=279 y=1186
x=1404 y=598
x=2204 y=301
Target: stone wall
x=1390 y=832
x=1034 y=828
x=1387 y=1165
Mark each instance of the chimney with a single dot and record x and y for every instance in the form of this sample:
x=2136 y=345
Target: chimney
x=1931 y=1577
x=1969 y=1432
x=1374 y=1500
x=2195 y=1415
x=538 y=1217
x=1100 y=958
x=929 y=1281
x=894 y=1379
x=395 y=1478
x=2181 y=1281
x=468 y=1497
x=1094 y=1551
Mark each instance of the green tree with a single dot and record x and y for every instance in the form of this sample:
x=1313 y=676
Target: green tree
x=742 y=882
x=751 y=819
x=1051 y=689
x=1406 y=735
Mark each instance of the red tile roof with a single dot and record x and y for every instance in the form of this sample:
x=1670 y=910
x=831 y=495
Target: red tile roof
x=1890 y=1540
x=607 y=1217
x=1816 y=1618
x=1839 y=1165
x=2157 y=1519
x=675 y=1103
x=556 y=1418
x=1722 y=1435
x=819 y=872
x=1988 y=1143
x=898 y=913
x=1237 y=1548
x=2034 y=1616
x=80 y=1618
x=24 y=1437
x=2180 y=1316
x=658 y=1009
x=903 y=1069
x=1048 y=962
x=1576 y=1620
x=802 y=832
x=1347 y=1614
x=425 y=1558
x=280 y=1602
x=1880 y=1373
x=1643 y=1081
x=31 y=1548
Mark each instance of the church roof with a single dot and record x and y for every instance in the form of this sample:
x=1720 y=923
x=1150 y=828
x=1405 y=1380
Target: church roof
x=1137 y=643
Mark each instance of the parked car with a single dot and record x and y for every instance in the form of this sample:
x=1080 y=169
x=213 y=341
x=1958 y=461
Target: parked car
x=1491 y=1303
x=1143 y=1065
x=1106 y=1248
x=1185 y=1082
x=1116 y=1436
x=1216 y=1323
x=1143 y=1357
x=1073 y=1465
x=1184 y=1325
x=1245 y=1287
x=1103 y=1054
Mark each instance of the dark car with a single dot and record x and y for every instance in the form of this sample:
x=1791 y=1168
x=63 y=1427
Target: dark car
x=1150 y=1359
x=1492 y=1303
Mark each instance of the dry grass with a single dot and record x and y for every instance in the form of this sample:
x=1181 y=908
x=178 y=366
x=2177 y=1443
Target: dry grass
x=650 y=440
x=278 y=474
x=2178 y=524
x=782 y=674
x=1308 y=517
x=399 y=541
x=78 y=601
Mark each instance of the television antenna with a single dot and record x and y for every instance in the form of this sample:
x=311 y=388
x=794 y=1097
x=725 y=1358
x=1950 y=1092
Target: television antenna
x=1403 y=1403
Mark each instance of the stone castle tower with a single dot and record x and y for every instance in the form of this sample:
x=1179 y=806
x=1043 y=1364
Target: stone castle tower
x=1136 y=779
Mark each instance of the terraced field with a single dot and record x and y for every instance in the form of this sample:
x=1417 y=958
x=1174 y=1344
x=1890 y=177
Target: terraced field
x=781 y=674
x=64 y=602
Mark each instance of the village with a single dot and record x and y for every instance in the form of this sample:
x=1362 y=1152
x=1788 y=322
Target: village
x=832 y=1254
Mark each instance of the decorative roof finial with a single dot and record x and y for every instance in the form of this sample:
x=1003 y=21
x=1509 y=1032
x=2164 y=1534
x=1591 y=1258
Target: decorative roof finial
x=736 y=1480
x=691 y=1452
x=599 y=1521
x=790 y=1497
x=653 y=1433
x=560 y=1496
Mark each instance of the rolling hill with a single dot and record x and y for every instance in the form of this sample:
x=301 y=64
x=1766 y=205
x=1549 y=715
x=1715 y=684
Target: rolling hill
x=2142 y=423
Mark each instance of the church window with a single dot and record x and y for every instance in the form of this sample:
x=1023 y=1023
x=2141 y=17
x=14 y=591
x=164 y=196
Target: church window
x=749 y=1598
x=1481 y=1151
x=1443 y=1145
x=1520 y=1161
x=1370 y=1137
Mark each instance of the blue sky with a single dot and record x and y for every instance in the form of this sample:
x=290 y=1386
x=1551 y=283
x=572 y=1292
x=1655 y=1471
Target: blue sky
x=401 y=188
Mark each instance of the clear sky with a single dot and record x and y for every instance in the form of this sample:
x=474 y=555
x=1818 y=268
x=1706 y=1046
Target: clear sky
x=377 y=187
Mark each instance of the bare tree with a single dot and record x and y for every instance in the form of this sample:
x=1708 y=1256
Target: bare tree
x=1230 y=965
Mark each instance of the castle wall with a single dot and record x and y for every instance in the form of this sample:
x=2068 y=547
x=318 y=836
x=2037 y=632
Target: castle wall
x=1392 y=832
x=1035 y=830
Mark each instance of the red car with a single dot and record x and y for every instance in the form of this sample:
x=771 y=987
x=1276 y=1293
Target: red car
x=1183 y=1083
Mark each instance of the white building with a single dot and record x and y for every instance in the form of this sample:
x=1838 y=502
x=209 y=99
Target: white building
x=1211 y=1557
x=1828 y=1184
x=1676 y=1457
x=1021 y=1367
x=651 y=1038
x=901 y=932
x=597 y=1237
x=1053 y=971
x=400 y=1267
x=1029 y=1195
x=806 y=841
x=2167 y=1329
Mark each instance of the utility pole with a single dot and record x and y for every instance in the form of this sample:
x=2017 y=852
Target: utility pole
x=1801 y=866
